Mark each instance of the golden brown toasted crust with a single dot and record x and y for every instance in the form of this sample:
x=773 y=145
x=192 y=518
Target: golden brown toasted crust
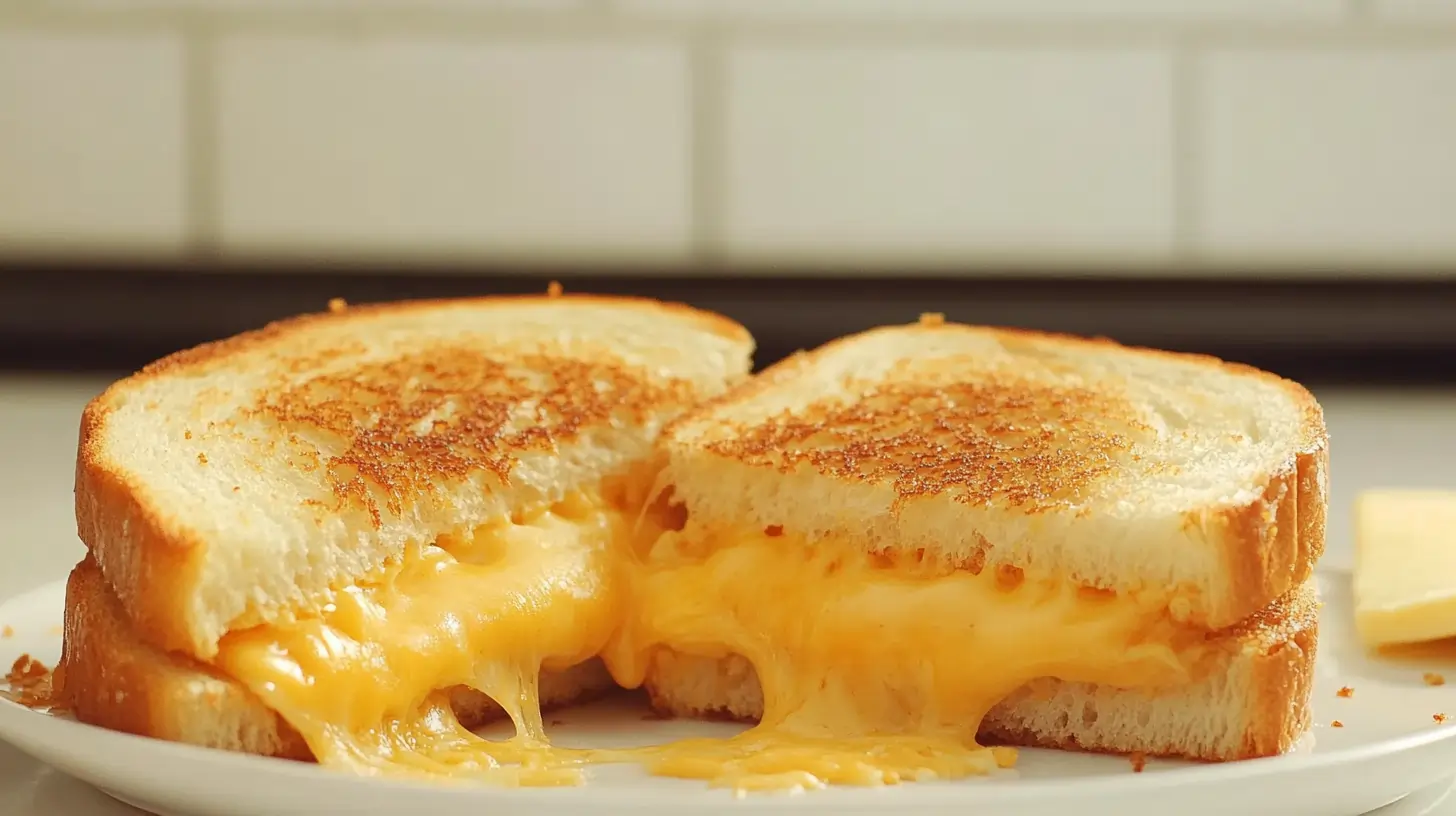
x=222 y=349
x=1283 y=677
x=384 y=450
x=133 y=540
x=979 y=441
x=110 y=677
x=146 y=556
x=1278 y=645
x=1273 y=543
x=975 y=442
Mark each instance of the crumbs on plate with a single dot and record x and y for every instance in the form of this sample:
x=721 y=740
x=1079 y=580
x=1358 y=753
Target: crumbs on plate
x=1433 y=679
x=1337 y=724
x=1440 y=718
x=29 y=683
x=1139 y=761
x=7 y=631
x=1345 y=691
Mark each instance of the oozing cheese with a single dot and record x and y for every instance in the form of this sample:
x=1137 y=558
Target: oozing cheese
x=363 y=684
x=872 y=671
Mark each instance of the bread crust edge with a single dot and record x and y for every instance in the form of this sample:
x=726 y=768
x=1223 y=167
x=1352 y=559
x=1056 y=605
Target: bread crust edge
x=1267 y=546
x=109 y=677
x=1275 y=647
x=152 y=565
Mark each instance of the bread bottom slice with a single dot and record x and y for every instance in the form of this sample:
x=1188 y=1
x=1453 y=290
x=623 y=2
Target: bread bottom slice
x=111 y=677
x=1253 y=700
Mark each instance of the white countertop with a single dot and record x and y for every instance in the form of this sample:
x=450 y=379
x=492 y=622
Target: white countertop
x=1378 y=439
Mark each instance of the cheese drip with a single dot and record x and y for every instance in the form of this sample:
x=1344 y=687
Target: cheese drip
x=363 y=683
x=872 y=670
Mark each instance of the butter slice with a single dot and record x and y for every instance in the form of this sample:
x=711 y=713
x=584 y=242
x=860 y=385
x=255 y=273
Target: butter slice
x=1405 y=566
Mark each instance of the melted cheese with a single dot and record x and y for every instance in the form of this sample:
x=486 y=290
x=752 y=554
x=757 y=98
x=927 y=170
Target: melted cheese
x=362 y=683
x=872 y=672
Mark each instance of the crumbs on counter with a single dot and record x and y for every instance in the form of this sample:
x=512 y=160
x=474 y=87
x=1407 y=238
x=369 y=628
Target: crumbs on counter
x=1345 y=691
x=1337 y=724
x=1433 y=679
x=29 y=683
x=1440 y=718
x=1139 y=761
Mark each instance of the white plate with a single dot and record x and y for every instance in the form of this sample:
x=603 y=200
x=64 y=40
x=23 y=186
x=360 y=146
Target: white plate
x=1388 y=747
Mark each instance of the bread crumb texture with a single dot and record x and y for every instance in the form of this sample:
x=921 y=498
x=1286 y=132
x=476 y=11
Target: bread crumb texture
x=28 y=683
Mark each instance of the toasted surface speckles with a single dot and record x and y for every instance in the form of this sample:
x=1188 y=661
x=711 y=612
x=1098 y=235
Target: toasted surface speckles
x=1001 y=441
x=402 y=427
x=333 y=441
x=1120 y=468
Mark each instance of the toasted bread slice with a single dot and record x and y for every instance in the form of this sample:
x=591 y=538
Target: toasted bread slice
x=1252 y=700
x=240 y=482
x=111 y=677
x=1080 y=460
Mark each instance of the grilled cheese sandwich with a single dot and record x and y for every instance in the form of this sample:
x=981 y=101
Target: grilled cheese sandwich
x=958 y=534
x=862 y=581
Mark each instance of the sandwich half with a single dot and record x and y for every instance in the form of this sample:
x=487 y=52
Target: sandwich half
x=961 y=533
x=350 y=536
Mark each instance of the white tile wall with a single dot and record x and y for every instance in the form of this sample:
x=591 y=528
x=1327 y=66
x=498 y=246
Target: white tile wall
x=420 y=146
x=1047 y=10
x=1138 y=136
x=857 y=152
x=91 y=141
x=349 y=6
x=1396 y=9
x=1328 y=153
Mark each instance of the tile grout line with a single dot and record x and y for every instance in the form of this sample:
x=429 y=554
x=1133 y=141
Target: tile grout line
x=200 y=152
x=1186 y=121
x=706 y=121
x=609 y=18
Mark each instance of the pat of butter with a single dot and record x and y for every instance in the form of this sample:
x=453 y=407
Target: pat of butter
x=1405 y=566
